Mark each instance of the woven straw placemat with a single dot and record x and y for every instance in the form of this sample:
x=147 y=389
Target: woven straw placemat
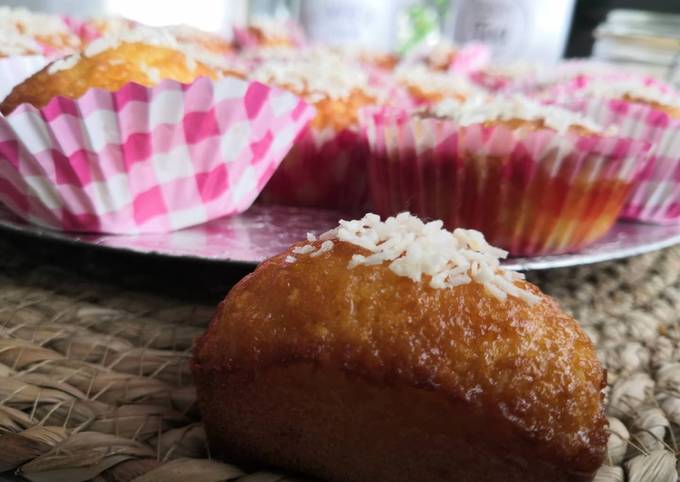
x=94 y=380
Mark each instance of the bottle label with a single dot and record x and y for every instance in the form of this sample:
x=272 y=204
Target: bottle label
x=503 y=24
x=367 y=23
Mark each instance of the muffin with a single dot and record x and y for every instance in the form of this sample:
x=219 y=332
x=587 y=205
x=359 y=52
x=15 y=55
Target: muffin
x=641 y=108
x=140 y=134
x=534 y=179
x=326 y=167
x=399 y=351
x=143 y=56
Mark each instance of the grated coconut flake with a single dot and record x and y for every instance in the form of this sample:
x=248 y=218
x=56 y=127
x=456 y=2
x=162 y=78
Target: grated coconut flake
x=415 y=249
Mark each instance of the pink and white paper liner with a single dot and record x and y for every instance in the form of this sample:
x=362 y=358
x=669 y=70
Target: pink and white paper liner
x=146 y=159
x=656 y=195
x=16 y=69
x=529 y=191
x=324 y=169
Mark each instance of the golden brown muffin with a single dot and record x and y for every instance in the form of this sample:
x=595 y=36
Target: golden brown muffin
x=365 y=373
x=109 y=68
x=337 y=88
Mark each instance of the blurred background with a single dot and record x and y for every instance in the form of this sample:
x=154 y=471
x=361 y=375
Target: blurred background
x=641 y=32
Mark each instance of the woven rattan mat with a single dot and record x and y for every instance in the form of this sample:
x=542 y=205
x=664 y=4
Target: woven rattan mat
x=94 y=380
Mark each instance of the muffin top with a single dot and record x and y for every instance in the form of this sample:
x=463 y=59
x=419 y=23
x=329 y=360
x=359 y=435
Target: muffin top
x=144 y=56
x=516 y=111
x=337 y=89
x=403 y=302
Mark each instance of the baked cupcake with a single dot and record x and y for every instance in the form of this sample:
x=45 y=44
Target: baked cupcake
x=143 y=56
x=399 y=351
x=641 y=108
x=326 y=167
x=140 y=134
x=534 y=179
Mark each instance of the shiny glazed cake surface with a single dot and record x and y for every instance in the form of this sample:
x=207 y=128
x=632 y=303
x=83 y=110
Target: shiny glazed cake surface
x=526 y=375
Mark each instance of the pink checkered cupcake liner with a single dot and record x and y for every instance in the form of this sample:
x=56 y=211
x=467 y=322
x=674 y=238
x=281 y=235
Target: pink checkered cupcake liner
x=324 y=169
x=16 y=69
x=531 y=192
x=146 y=159
x=656 y=195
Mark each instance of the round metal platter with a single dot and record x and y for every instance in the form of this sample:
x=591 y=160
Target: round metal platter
x=264 y=231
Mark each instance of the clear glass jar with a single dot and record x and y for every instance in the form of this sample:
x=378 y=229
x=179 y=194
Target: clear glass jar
x=524 y=30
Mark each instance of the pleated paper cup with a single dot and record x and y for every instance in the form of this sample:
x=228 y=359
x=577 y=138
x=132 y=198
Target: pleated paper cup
x=655 y=197
x=146 y=159
x=531 y=192
x=16 y=69
x=324 y=169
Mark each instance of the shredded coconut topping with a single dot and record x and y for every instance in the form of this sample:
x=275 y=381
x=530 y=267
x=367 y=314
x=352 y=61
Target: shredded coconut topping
x=32 y=23
x=64 y=63
x=163 y=37
x=140 y=34
x=431 y=81
x=480 y=109
x=15 y=43
x=20 y=29
x=313 y=74
x=634 y=88
x=415 y=250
